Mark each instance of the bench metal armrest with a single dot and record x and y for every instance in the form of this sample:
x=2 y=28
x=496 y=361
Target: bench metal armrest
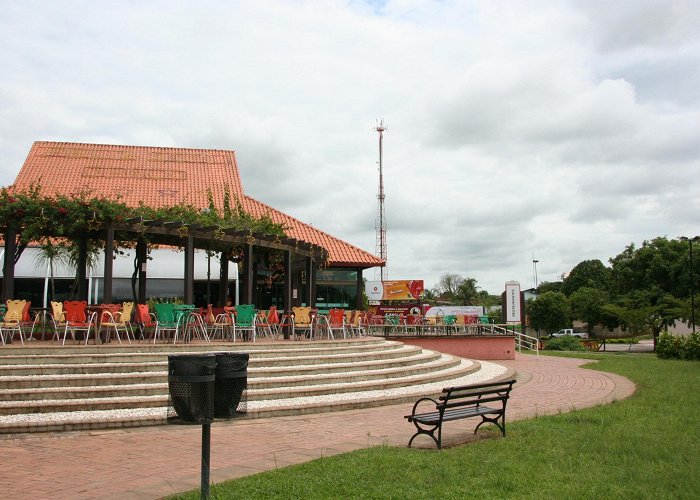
x=415 y=406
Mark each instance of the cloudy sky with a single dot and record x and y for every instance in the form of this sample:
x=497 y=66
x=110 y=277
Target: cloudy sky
x=563 y=130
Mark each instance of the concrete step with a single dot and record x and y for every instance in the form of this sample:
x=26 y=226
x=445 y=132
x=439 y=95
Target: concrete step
x=107 y=365
x=138 y=417
x=120 y=356
x=47 y=348
x=33 y=380
x=321 y=388
x=425 y=363
x=73 y=387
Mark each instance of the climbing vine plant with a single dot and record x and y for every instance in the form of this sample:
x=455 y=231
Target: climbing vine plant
x=59 y=220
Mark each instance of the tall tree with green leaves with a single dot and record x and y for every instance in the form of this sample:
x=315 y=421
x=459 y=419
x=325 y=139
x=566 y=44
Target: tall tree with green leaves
x=587 y=305
x=660 y=264
x=467 y=292
x=549 y=312
x=588 y=273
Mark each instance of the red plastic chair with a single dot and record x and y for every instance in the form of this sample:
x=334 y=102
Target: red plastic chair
x=144 y=319
x=77 y=319
x=273 y=320
x=335 y=321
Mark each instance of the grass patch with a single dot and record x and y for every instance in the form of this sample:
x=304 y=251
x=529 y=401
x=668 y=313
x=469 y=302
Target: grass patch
x=647 y=446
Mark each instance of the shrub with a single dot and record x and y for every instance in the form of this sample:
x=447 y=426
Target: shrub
x=630 y=340
x=678 y=347
x=565 y=343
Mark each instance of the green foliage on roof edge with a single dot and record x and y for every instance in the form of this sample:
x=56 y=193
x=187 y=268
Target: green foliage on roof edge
x=39 y=218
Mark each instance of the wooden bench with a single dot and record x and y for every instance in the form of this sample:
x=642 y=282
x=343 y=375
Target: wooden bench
x=485 y=400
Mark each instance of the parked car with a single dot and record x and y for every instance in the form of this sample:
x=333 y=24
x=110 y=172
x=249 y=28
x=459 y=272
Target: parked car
x=570 y=331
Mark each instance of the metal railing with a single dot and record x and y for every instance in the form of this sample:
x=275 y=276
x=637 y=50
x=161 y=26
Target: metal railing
x=527 y=342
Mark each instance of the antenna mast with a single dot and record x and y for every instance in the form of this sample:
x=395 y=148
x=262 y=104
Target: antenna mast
x=380 y=223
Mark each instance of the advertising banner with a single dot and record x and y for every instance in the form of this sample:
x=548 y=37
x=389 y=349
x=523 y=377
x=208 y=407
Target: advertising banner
x=512 y=302
x=455 y=311
x=393 y=290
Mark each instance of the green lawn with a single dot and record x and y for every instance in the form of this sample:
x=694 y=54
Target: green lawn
x=647 y=446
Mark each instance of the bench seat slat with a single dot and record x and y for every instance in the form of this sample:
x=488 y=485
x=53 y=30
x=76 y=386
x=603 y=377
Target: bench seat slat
x=455 y=414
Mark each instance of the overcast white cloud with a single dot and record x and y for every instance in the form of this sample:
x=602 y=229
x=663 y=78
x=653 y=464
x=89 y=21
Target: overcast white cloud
x=559 y=129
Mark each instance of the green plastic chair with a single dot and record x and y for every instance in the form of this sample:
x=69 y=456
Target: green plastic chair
x=165 y=319
x=393 y=321
x=244 y=320
x=450 y=322
x=189 y=322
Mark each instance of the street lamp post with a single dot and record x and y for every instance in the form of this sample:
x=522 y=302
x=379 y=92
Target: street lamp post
x=692 y=277
x=534 y=270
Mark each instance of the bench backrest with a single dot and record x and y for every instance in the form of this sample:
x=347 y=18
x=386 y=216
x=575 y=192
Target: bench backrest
x=475 y=394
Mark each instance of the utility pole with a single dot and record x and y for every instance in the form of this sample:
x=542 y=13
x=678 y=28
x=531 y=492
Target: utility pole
x=380 y=224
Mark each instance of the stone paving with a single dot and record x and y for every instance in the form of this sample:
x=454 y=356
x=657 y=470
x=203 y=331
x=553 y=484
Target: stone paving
x=152 y=462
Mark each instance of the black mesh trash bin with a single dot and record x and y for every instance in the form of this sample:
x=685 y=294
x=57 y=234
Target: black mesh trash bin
x=231 y=382
x=191 y=387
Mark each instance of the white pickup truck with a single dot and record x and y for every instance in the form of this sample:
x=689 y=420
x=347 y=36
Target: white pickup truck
x=570 y=331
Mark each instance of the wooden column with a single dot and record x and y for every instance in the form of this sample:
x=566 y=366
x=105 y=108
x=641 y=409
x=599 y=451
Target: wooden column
x=310 y=282
x=358 y=302
x=8 y=268
x=247 y=282
x=287 y=290
x=223 y=278
x=141 y=259
x=287 y=281
x=82 y=269
x=189 y=270
x=108 y=265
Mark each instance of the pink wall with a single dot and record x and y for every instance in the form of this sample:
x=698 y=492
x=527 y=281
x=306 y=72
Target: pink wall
x=481 y=347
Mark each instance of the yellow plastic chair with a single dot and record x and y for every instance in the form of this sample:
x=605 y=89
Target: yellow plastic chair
x=12 y=322
x=118 y=320
x=303 y=320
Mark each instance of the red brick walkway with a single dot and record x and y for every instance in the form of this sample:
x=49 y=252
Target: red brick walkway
x=152 y=462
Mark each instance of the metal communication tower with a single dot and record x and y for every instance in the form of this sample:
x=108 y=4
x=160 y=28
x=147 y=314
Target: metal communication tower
x=380 y=224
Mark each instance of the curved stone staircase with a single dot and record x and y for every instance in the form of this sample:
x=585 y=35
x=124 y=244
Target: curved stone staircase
x=50 y=388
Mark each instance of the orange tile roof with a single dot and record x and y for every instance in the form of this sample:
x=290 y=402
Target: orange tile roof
x=340 y=252
x=161 y=177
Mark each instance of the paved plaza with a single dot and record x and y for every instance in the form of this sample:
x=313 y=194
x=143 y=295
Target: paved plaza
x=152 y=462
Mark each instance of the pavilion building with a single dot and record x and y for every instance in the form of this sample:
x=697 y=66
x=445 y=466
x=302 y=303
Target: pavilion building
x=160 y=177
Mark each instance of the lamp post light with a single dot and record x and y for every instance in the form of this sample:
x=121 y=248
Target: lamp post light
x=692 y=277
x=534 y=270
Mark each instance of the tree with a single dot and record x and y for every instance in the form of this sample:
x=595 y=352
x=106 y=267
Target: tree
x=644 y=312
x=588 y=273
x=456 y=289
x=448 y=285
x=550 y=286
x=467 y=292
x=658 y=264
x=587 y=305
x=550 y=312
x=428 y=295
x=487 y=300
x=50 y=255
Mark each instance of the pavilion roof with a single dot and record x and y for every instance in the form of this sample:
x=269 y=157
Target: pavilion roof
x=158 y=177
